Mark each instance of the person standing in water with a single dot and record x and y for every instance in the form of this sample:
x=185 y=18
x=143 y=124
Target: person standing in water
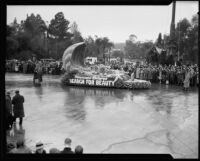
x=38 y=72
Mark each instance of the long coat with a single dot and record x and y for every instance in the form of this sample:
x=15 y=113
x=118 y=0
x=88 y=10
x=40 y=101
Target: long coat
x=18 y=108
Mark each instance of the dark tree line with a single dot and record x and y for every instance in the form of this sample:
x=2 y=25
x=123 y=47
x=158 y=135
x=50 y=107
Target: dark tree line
x=186 y=43
x=35 y=36
x=98 y=47
x=136 y=49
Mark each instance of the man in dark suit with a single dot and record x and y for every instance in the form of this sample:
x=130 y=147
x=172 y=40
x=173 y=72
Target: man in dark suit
x=67 y=149
x=18 y=108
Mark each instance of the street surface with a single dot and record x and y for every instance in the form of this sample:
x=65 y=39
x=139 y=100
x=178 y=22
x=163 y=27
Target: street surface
x=163 y=119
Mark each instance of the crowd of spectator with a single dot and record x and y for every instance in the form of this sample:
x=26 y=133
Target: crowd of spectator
x=174 y=75
x=28 y=67
x=21 y=148
x=155 y=73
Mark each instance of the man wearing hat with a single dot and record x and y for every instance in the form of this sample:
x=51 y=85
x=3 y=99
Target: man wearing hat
x=67 y=149
x=40 y=148
x=18 y=108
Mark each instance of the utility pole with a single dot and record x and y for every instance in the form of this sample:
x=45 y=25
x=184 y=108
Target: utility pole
x=172 y=44
x=172 y=28
x=47 y=38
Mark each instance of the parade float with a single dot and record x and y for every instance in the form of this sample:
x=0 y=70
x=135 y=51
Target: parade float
x=77 y=74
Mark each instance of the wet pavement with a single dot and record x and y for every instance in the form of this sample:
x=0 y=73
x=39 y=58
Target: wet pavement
x=163 y=119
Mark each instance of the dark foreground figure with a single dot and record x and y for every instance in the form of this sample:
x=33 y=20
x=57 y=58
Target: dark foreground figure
x=18 y=108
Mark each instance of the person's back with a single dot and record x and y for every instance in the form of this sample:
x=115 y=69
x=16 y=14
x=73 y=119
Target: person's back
x=18 y=100
x=67 y=150
x=79 y=149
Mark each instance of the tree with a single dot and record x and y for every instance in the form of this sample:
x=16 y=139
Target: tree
x=132 y=48
x=24 y=42
x=132 y=38
x=192 y=40
x=117 y=53
x=59 y=35
x=15 y=26
x=98 y=47
x=34 y=25
x=159 y=42
x=76 y=34
x=34 y=28
x=181 y=36
x=91 y=48
x=11 y=47
x=103 y=46
x=59 y=27
x=152 y=56
x=9 y=30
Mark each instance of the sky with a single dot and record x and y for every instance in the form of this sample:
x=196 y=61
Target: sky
x=115 y=22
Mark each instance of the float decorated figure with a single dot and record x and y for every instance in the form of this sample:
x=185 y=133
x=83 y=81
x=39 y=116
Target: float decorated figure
x=78 y=74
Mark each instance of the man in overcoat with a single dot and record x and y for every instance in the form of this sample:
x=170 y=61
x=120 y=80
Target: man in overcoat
x=18 y=108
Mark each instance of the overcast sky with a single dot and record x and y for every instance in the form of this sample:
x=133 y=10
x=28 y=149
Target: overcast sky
x=114 y=22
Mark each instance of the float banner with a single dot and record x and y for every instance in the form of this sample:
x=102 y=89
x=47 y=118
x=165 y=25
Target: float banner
x=92 y=82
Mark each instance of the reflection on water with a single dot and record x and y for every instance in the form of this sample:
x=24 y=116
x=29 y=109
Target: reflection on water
x=74 y=107
x=39 y=92
x=16 y=133
x=94 y=92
